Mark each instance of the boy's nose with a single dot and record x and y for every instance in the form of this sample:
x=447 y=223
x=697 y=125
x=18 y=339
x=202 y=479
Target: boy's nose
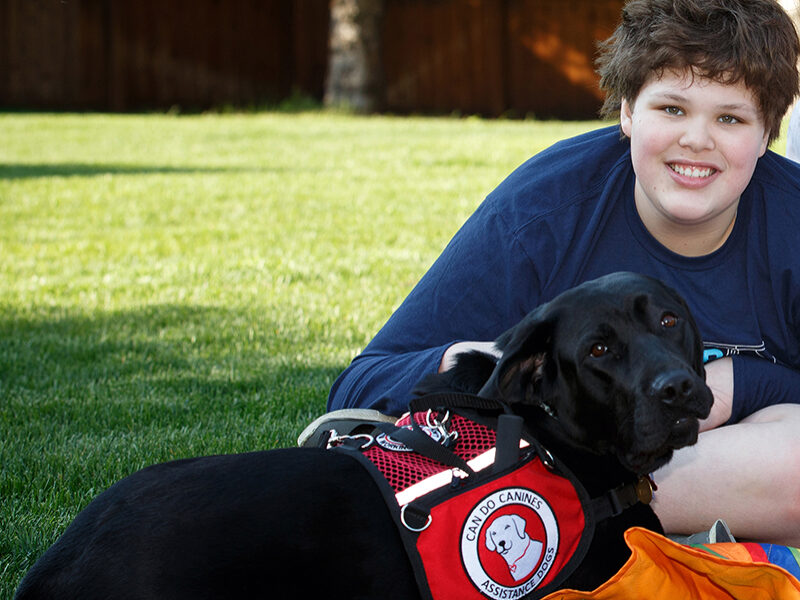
x=697 y=137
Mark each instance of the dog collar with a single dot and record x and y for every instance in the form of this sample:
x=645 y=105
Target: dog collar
x=623 y=497
x=548 y=409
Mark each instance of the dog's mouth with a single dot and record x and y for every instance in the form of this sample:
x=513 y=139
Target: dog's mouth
x=656 y=427
x=684 y=432
x=650 y=452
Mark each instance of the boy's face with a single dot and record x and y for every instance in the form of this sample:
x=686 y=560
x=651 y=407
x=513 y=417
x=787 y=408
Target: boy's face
x=694 y=146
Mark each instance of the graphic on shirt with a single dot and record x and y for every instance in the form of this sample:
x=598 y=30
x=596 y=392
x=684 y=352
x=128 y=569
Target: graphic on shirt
x=509 y=542
x=715 y=350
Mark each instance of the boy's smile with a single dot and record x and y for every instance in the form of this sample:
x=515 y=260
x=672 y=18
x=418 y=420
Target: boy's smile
x=694 y=145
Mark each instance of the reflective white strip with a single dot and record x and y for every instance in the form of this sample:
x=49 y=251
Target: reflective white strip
x=444 y=478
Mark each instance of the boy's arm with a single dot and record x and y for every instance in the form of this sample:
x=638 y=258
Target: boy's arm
x=759 y=383
x=747 y=473
x=383 y=381
x=478 y=287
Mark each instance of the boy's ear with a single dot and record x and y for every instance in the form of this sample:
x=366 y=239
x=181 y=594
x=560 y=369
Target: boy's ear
x=625 y=116
x=765 y=144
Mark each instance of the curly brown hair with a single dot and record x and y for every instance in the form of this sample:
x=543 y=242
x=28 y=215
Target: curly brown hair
x=727 y=41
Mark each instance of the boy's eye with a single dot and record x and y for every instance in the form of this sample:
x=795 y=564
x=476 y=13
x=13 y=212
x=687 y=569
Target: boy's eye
x=728 y=119
x=673 y=110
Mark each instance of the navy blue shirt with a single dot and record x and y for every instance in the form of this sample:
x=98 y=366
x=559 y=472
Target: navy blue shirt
x=567 y=215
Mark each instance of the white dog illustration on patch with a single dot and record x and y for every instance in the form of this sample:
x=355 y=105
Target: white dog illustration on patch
x=506 y=536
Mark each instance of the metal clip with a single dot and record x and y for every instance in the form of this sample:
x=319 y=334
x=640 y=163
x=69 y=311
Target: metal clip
x=447 y=438
x=335 y=439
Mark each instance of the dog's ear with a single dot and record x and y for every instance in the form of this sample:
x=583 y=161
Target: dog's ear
x=699 y=348
x=694 y=331
x=489 y=541
x=525 y=350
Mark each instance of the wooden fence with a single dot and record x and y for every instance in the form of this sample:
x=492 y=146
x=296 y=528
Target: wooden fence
x=489 y=57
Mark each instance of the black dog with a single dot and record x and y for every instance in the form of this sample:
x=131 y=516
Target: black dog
x=608 y=375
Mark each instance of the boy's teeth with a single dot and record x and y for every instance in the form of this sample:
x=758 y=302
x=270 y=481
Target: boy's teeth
x=691 y=171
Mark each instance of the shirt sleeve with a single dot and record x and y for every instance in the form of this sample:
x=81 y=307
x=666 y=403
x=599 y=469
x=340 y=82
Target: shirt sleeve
x=383 y=380
x=758 y=383
x=474 y=291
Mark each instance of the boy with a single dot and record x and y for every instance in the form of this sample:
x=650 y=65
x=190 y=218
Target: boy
x=688 y=194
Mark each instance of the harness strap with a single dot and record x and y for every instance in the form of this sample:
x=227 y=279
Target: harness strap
x=456 y=400
x=420 y=442
x=509 y=428
x=508 y=436
x=610 y=504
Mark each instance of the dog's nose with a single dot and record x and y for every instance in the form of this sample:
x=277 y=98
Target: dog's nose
x=672 y=387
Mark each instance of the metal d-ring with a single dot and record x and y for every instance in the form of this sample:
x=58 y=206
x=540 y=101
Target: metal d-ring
x=409 y=527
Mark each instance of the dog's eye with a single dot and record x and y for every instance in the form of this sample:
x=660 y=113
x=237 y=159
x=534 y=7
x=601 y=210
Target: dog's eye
x=669 y=320
x=598 y=350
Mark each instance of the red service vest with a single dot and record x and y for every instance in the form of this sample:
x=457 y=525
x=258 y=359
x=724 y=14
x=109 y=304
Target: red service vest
x=513 y=533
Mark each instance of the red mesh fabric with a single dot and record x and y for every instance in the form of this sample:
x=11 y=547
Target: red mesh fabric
x=404 y=469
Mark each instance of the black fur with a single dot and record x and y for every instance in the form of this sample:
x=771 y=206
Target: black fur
x=312 y=523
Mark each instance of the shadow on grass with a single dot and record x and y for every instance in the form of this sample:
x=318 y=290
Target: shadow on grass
x=32 y=171
x=159 y=365
x=86 y=399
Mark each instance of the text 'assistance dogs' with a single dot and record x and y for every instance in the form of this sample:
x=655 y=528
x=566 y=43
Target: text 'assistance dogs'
x=524 y=475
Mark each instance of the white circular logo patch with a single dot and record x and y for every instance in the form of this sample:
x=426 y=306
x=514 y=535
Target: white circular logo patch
x=509 y=542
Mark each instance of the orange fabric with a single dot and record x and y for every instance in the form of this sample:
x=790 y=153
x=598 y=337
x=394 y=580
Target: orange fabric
x=660 y=569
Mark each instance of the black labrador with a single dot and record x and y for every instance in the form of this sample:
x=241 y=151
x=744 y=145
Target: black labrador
x=608 y=375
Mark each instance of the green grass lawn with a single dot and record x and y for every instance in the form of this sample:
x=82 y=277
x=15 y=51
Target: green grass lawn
x=180 y=285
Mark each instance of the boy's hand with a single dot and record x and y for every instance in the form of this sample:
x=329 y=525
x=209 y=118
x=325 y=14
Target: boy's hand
x=449 y=357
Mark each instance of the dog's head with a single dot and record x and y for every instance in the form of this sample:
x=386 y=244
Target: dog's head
x=617 y=362
x=504 y=533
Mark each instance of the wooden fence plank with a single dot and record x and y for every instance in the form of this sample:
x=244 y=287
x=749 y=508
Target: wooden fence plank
x=472 y=56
